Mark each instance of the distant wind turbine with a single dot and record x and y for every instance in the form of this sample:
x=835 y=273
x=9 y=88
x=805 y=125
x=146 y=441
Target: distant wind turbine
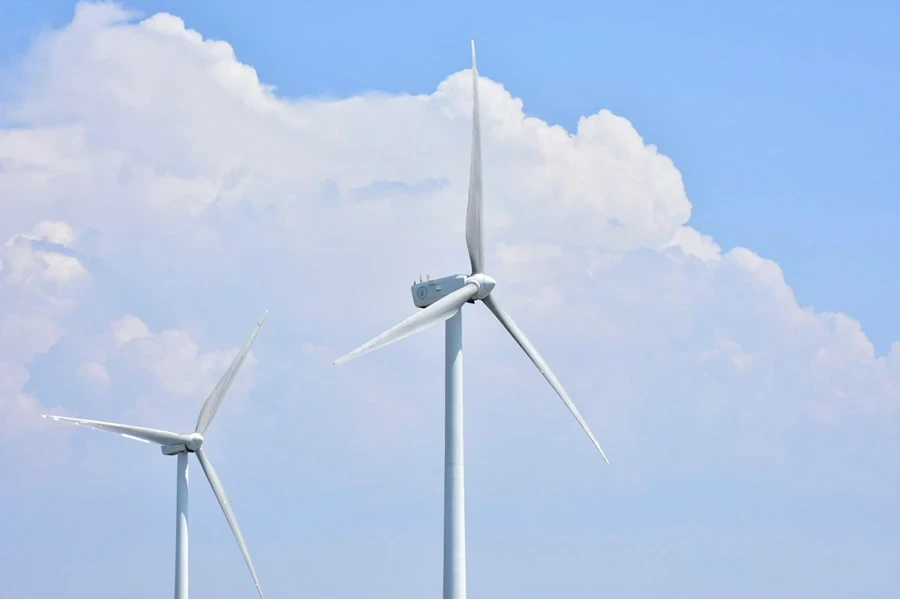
x=182 y=445
x=442 y=300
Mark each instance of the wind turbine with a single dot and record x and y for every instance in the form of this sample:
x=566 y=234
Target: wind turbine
x=182 y=445
x=442 y=300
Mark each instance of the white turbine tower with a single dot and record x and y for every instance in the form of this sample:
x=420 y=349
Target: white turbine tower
x=182 y=445
x=442 y=300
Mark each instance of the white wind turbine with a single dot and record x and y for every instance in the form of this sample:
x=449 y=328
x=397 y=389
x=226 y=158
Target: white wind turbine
x=182 y=445
x=442 y=300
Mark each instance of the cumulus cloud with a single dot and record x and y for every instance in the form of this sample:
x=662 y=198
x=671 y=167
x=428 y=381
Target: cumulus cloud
x=94 y=374
x=196 y=194
x=55 y=232
x=129 y=328
x=328 y=190
x=169 y=153
x=38 y=288
x=161 y=377
x=173 y=358
x=694 y=243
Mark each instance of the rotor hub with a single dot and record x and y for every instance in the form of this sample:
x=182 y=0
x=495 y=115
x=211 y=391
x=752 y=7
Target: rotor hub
x=195 y=440
x=485 y=285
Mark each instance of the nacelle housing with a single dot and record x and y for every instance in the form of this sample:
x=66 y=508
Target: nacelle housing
x=426 y=293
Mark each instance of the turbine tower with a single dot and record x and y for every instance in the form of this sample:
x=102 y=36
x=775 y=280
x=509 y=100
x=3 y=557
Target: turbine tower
x=442 y=300
x=183 y=445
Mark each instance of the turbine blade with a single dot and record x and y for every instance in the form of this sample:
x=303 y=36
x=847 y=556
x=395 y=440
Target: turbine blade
x=542 y=366
x=474 y=234
x=142 y=434
x=211 y=406
x=441 y=310
x=216 y=484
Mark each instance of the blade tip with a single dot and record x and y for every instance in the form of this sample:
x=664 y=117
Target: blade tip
x=262 y=318
x=341 y=360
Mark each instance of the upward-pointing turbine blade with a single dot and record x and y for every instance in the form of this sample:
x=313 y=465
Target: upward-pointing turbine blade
x=211 y=406
x=474 y=234
x=441 y=310
x=219 y=491
x=142 y=434
x=542 y=366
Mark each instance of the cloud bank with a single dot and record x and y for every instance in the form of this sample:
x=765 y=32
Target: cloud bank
x=167 y=197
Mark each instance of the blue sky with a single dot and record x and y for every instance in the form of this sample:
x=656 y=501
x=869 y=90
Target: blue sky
x=752 y=441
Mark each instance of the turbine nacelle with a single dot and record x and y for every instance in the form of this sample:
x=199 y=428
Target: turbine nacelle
x=425 y=293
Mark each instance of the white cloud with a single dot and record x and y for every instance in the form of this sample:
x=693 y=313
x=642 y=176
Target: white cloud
x=55 y=232
x=175 y=368
x=175 y=361
x=731 y=350
x=150 y=149
x=694 y=243
x=515 y=254
x=61 y=268
x=196 y=196
x=37 y=290
x=200 y=178
x=129 y=328
x=94 y=374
